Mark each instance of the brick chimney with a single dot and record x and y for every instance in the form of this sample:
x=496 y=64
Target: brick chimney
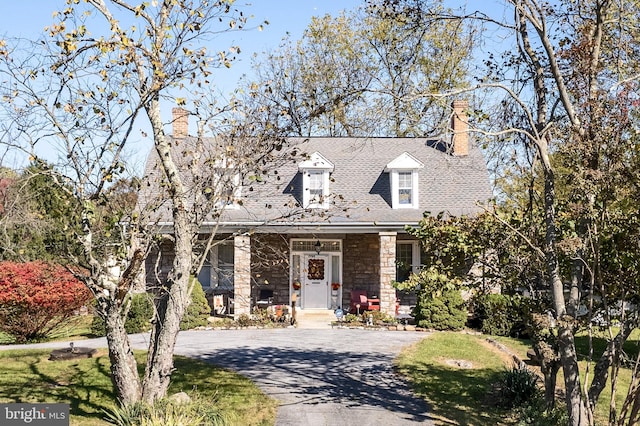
x=180 y=122
x=460 y=127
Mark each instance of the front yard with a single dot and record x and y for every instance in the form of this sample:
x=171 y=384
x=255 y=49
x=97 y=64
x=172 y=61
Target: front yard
x=456 y=374
x=28 y=376
x=453 y=372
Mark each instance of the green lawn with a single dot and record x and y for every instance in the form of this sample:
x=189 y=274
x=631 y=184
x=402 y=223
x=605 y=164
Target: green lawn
x=458 y=396
x=462 y=396
x=28 y=376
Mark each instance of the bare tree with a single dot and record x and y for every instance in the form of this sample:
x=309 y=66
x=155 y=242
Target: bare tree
x=364 y=72
x=564 y=82
x=103 y=72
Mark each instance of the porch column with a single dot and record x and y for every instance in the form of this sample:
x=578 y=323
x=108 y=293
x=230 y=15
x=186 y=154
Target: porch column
x=241 y=275
x=387 y=272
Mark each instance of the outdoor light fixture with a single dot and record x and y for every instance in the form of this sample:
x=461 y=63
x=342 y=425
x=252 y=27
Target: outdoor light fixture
x=318 y=246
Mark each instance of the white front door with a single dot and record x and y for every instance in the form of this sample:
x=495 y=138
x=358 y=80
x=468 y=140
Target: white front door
x=315 y=288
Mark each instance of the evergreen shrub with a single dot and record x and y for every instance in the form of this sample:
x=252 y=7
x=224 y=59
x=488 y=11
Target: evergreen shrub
x=138 y=318
x=198 y=312
x=443 y=311
x=500 y=315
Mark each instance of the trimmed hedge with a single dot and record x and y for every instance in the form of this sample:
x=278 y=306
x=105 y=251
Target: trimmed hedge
x=500 y=315
x=138 y=318
x=446 y=311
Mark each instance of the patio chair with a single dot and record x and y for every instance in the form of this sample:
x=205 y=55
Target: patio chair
x=265 y=298
x=361 y=302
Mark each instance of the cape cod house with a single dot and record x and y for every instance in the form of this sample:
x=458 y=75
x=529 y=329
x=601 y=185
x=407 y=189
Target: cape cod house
x=354 y=198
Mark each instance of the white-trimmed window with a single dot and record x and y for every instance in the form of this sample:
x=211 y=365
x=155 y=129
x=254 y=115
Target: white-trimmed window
x=225 y=184
x=224 y=260
x=315 y=181
x=405 y=188
x=408 y=259
x=217 y=270
x=404 y=176
x=317 y=190
x=229 y=188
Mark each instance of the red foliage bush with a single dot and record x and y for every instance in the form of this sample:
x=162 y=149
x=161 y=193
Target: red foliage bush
x=36 y=297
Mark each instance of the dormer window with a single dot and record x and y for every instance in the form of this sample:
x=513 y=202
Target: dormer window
x=315 y=181
x=403 y=175
x=405 y=188
x=225 y=186
x=230 y=189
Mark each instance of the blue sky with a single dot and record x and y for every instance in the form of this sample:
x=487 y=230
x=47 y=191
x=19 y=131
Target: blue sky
x=27 y=19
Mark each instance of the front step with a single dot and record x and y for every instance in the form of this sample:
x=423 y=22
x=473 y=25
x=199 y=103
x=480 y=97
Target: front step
x=314 y=318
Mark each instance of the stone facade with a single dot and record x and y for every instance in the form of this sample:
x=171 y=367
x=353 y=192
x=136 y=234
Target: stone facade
x=261 y=265
x=360 y=265
x=270 y=267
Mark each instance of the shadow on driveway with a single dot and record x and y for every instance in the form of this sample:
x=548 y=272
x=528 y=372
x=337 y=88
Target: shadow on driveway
x=325 y=386
x=321 y=377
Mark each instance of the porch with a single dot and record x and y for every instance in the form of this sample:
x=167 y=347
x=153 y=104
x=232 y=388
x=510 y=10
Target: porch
x=319 y=272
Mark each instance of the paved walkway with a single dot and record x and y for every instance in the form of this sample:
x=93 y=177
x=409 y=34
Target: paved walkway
x=320 y=376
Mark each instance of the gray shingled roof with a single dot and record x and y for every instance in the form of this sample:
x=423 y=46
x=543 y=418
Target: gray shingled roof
x=447 y=183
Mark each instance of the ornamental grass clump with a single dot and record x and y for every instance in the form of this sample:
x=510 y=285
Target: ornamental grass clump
x=168 y=412
x=517 y=386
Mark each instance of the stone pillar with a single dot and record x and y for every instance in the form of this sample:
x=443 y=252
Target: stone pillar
x=387 y=272
x=241 y=275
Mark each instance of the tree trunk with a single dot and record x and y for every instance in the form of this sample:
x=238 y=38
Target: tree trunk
x=124 y=368
x=173 y=298
x=569 y=360
x=601 y=369
x=545 y=346
x=170 y=308
x=549 y=366
x=634 y=396
x=576 y=406
x=630 y=412
x=550 y=380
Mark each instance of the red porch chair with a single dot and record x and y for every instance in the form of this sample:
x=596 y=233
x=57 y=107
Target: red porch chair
x=361 y=302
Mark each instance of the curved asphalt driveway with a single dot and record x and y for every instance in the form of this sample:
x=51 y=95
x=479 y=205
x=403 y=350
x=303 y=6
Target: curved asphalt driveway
x=320 y=376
